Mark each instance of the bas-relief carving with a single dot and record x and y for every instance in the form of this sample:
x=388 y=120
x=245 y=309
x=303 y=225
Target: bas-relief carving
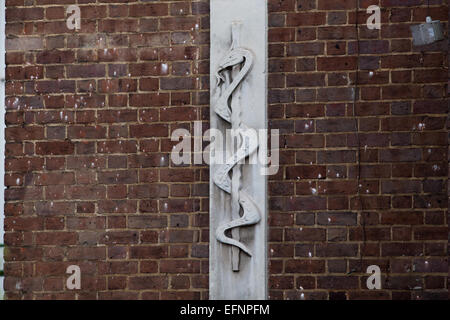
x=238 y=268
x=230 y=75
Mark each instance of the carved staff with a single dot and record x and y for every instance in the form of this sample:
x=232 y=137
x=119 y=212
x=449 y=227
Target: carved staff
x=240 y=61
x=236 y=116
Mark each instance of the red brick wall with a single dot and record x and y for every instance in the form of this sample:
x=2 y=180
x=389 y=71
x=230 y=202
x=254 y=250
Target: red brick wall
x=325 y=229
x=89 y=118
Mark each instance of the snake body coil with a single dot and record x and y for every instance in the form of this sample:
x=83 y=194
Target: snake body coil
x=249 y=144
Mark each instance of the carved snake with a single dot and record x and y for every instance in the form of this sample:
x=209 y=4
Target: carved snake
x=249 y=144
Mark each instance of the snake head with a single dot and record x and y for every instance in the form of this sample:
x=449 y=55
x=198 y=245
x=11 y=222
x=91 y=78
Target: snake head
x=233 y=58
x=219 y=77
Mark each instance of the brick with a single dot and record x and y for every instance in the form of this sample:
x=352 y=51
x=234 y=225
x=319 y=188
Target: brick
x=178 y=83
x=336 y=33
x=24 y=44
x=401 y=249
x=148 y=9
x=305 y=266
x=281 y=282
x=336 y=250
x=305 y=19
x=305 y=234
x=55 y=56
x=336 y=5
x=281 y=34
x=55 y=148
x=148 y=282
x=336 y=282
x=395 y=155
x=148 y=252
x=149 y=69
x=336 y=63
x=305 y=80
x=56 y=238
x=284 y=5
x=337 y=218
x=147 y=222
x=430 y=233
x=335 y=94
x=149 y=100
x=177 y=266
x=157 y=130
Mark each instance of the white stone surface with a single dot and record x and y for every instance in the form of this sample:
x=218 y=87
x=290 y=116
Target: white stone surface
x=250 y=281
